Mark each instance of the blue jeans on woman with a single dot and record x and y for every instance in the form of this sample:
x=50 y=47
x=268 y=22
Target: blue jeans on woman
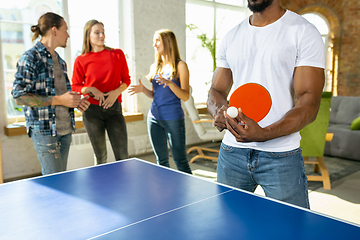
x=280 y=174
x=52 y=151
x=96 y=120
x=172 y=131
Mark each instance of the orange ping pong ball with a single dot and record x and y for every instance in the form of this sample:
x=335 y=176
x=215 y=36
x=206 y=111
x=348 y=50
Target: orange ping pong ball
x=232 y=112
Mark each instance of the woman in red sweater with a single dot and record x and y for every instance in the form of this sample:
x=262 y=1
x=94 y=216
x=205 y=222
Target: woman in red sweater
x=102 y=73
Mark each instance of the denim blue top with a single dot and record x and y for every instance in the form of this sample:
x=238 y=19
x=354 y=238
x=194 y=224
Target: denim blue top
x=35 y=75
x=166 y=105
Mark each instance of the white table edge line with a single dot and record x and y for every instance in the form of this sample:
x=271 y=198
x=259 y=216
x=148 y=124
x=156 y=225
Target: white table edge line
x=158 y=215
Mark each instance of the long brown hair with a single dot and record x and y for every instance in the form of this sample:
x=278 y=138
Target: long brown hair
x=87 y=30
x=45 y=23
x=171 y=50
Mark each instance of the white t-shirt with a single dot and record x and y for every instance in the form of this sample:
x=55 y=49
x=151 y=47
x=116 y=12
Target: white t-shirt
x=268 y=56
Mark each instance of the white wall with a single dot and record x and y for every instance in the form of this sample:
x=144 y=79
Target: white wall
x=18 y=153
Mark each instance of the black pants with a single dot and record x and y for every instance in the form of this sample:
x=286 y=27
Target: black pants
x=96 y=120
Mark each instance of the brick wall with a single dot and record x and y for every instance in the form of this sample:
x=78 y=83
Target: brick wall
x=344 y=19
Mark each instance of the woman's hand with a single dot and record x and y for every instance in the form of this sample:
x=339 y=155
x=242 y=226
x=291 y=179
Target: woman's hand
x=164 y=81
x=96 y=94
x=111 y=97
x=136 y=88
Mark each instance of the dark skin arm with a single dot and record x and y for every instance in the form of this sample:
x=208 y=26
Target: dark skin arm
x=217 y=98
x=308 y=85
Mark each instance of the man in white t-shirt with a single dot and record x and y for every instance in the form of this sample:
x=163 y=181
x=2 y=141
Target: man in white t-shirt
x=284 y=53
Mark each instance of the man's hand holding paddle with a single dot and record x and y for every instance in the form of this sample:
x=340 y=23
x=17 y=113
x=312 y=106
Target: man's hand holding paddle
x=252 y=102
x=244 y=128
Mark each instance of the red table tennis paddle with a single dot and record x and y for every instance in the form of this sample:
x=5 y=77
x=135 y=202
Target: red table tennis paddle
x=253 y=99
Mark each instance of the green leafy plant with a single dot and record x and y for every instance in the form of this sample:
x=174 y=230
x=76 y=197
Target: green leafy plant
x=206 y=42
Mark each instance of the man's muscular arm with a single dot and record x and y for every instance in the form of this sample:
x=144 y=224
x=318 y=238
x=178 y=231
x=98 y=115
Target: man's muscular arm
x=217 y=98
x=308 y=86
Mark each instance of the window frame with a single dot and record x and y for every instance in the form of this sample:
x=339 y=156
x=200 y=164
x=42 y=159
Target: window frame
x=216 y=6
x=328 y=51
x=129 y=102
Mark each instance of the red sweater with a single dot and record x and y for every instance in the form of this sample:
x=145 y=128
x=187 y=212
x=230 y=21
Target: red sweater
x=105 y=70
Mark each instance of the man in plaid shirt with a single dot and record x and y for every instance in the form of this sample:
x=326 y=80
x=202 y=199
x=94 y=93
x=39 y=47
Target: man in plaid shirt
x=42 y=86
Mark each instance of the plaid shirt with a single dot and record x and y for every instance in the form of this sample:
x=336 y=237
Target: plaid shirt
x=35 y=75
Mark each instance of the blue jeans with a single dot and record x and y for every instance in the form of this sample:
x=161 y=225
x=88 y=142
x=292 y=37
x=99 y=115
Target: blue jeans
x=160 y=132
x=96 y=120
x=281 y=174
x=52 y=151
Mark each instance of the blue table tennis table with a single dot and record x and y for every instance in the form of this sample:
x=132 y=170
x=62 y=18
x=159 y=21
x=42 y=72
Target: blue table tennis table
x=134 y=200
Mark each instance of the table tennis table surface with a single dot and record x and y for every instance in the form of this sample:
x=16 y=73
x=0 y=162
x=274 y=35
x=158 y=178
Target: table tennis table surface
x=136 y=199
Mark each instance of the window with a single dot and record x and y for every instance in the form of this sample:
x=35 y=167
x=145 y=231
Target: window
x=16 y=20
x=323 y=27
x=216 y=19
x=18 y=16
x=102 y=13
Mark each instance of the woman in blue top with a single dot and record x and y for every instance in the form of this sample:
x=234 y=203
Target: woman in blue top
x=169 y=76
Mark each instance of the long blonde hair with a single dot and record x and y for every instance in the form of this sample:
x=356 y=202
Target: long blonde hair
x=171 y=51
x=87 y=30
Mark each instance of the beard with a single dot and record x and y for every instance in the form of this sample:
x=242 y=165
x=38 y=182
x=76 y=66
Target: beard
x=259 y=7
x=63 y=45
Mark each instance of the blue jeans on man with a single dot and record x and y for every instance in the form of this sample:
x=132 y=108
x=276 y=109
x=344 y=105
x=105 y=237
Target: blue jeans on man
x=280 y=174
x=172 y=131
x=52 y=151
